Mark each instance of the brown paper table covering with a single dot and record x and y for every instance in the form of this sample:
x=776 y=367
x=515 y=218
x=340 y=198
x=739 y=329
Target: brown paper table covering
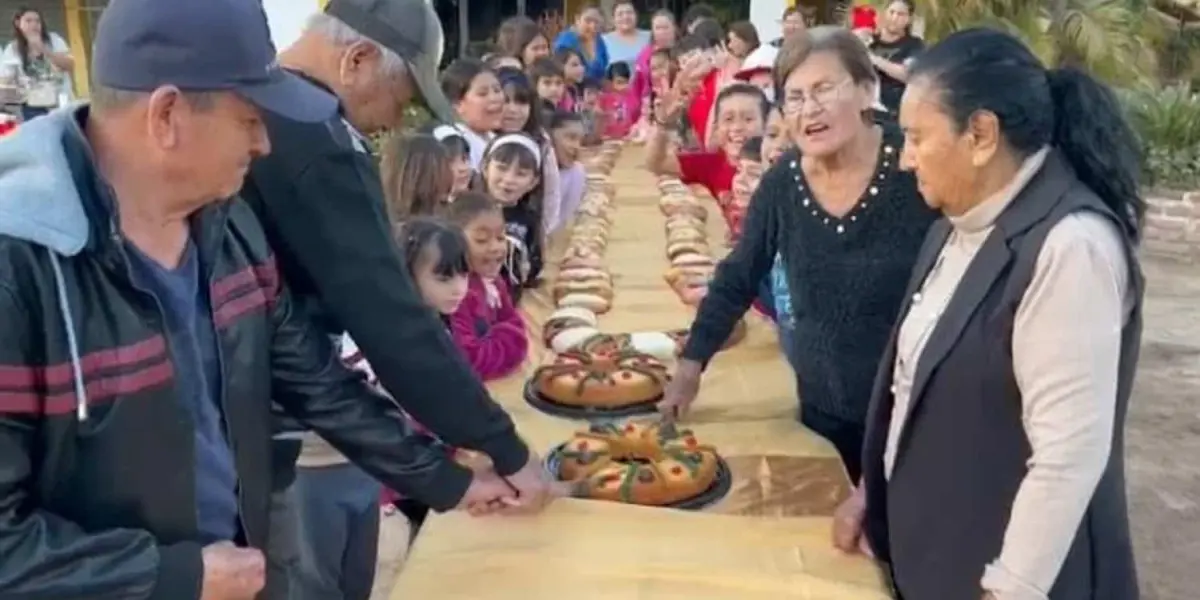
x=769 y=538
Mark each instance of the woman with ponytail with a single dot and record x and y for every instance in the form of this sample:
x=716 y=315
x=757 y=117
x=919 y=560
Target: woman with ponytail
x=993 y=464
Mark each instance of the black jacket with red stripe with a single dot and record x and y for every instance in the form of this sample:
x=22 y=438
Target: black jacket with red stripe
x=97 y=495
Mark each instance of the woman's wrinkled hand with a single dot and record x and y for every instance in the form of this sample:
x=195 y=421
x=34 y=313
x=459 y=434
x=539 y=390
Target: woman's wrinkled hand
x=848 y=524
x=682 y=390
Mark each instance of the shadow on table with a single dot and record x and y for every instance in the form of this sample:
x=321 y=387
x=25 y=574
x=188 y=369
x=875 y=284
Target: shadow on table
x=784 y=486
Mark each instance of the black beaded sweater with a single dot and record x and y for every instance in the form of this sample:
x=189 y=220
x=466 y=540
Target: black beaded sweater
x=846 y=275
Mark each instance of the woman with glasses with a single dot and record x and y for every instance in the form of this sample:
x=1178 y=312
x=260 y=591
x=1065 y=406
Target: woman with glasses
x=847 y=225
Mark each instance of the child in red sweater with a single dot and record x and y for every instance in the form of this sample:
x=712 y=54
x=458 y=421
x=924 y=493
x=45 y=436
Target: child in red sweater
x=486 y=326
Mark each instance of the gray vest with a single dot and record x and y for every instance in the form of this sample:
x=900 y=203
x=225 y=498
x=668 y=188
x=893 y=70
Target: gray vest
x=941 y=518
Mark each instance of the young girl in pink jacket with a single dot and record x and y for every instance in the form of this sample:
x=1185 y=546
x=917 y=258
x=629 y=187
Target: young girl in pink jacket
x=486 y=327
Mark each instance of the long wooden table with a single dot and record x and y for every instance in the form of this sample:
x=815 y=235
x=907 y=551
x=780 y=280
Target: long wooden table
x=769 y=538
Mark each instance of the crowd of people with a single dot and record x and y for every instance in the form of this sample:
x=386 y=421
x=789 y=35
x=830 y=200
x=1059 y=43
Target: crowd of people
x=215 y=399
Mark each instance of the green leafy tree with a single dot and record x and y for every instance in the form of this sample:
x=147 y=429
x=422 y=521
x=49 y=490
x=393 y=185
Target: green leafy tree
x=1113 y=39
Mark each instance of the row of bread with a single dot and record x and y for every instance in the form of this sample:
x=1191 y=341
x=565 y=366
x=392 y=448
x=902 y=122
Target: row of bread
x=692 y=265
x=583 y=287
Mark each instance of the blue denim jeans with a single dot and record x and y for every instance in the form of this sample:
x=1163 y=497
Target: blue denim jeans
x=338 y=508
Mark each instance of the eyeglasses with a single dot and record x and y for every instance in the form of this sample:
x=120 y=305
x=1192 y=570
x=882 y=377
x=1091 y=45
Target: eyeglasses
x=822 y=96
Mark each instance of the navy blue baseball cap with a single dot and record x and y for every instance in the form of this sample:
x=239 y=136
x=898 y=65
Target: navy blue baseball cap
x=201 y=46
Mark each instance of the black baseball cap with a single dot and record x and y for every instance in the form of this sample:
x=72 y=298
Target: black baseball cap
x=411 y=29
x=201 y=46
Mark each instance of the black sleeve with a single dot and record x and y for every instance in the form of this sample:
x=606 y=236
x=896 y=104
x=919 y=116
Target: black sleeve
x=332 y=228
x=738 y=277
x=913 y=48
x=310 y=382
x=48 y=557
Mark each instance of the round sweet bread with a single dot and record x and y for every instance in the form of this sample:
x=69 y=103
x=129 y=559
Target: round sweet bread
x=601 y=379
x=597 y=287
x=685 y=235
x=569 y=339
x=684 y=222
x=692 y=259
x=581 y=260
x=582 y=273
x=564 y=319
x=639 y=463
x=678 y=249
x=592 y=302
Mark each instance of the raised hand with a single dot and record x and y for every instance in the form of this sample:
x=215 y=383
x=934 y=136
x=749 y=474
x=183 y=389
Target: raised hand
x=232 y=573
x=682 y=390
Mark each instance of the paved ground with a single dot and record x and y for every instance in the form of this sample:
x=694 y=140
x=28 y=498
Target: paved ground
x=1163 y=436
x=1163 y=444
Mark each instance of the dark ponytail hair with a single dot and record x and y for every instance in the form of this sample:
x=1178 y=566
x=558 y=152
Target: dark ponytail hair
x=1091 y=130
x=984 y=69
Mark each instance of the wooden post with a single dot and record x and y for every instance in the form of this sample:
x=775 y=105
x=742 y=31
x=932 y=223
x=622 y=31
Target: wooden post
x=464 y=28
x=80 y=48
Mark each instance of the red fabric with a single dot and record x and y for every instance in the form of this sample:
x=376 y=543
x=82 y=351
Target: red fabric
x=618 y=114
x=492 y=338
x=7 y=128
x=862 y=17
x=709 y=169
x=702 y=105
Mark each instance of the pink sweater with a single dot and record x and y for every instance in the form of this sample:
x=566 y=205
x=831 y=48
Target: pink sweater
x=489 y=330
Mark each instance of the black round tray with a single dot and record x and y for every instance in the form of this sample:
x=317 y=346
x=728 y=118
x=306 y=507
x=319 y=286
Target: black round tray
x=588 y=413
x=715 y=492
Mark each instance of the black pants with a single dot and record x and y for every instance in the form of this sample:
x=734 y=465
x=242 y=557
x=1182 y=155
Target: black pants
x=338 y=510
x=846 y=437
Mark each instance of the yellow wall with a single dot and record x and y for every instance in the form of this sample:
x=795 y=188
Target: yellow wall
x=80 y=46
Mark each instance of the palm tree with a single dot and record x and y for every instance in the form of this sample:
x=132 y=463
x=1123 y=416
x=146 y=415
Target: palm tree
x=1113 y=39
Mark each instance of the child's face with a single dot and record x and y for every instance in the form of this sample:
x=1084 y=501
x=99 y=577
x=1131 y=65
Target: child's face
x=660 y=72
x=739 y=119
x=516 y=115
x=551 y=89
x=589 y=97
x=620 y=84
x=486 y=243
x=443 y=293
x=510 y=182
x=751 y=170
x=460 y=167
x=568 y=139
x=775 y=138
x=573 y=69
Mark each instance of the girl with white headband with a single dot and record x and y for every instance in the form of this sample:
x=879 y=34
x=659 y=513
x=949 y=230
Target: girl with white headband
x=511 y=172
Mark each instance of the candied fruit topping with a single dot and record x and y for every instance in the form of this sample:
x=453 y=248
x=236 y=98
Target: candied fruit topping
x=676 y=470
x=645 y=476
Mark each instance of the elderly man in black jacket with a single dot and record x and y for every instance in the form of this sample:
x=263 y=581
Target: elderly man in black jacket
x=321 y=202
x=145 y=327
